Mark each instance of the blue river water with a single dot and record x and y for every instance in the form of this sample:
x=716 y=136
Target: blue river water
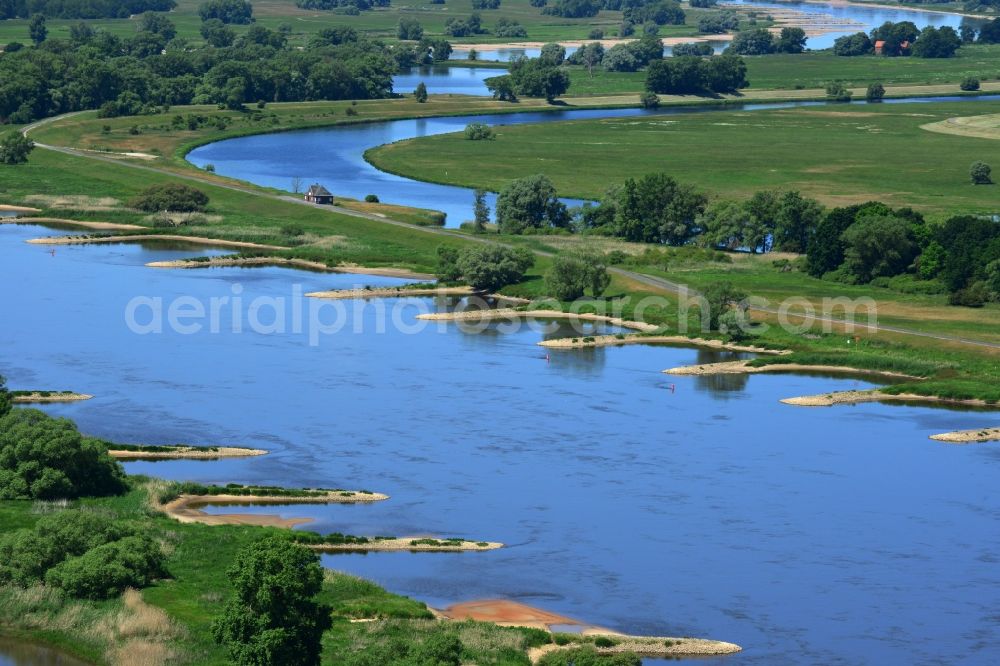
x=629 y=499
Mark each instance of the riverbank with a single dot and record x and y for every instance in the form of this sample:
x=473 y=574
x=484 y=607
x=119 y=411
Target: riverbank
x=875 y=395
x=391 y=292
x=618 y=340
x=509 y=314
x=185 y=508
x=65 y=222
x=969 y=436
x=181 y=452
x=139 y=238
x=744 y=367
x=305 y=264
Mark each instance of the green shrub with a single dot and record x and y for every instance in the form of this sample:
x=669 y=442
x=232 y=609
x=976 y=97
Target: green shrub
x=170 y=197
x=837 y=92
x=105 y=571
x=981 y=173
x=371 y=198
x=479 y=132
x=604 y=642
x=969 y=84
x=46 y=458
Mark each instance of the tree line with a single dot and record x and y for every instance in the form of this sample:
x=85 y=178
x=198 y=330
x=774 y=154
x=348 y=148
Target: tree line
x=81 y=9
x=153 y=69
x=905 y=39
x=855 y=244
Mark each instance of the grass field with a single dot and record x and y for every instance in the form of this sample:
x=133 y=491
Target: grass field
x=379 y=23
x=104 y=632
x=815 y=70
x=839 y=154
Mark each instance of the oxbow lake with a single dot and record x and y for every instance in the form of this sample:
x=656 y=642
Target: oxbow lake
x=808 y=536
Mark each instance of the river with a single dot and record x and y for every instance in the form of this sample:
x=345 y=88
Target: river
x=809 y=536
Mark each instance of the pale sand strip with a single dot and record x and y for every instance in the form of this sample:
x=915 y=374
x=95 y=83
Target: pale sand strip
x=195 y=240
x=968 y=436
x=19 y=209
x=874 y=395
x=185 y=508
x=511 y=314
x=406 y=544
x=508 y=613
x=292 y=262
x=613 y=340
x=53 y=397
x=388 y=292
x=744 y=368
x=104 y=226
x=188 y=453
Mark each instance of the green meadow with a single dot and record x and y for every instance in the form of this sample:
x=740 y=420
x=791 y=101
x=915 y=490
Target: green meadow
x=839 y=154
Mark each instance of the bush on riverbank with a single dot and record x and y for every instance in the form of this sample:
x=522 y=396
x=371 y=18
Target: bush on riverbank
x=46 y=458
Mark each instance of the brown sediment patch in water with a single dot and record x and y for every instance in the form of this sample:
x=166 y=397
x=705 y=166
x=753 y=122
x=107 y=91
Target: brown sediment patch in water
x=874 y=395
x=511 y=314
x=614 y=340
x=969 y=436
x=744 y=367
x=186 y=509
x=390 y=292
x=38 y=397
x=188 y=453
x=138 y=238
x=291 y=262
x=62 y=222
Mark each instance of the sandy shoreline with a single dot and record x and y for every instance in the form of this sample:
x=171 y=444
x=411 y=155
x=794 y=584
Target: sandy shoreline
x=187 y=453
x=406 y=544
x=744 y=368
x=389 y=292
x=8 y=208
x=101 y=226
x=873 y=395
x=508 y=613
x=195 y=240
x=186 y=509
x=291 y=262
x=969 y=436
x=37 y=397
x=614 y=340
x=511 y=314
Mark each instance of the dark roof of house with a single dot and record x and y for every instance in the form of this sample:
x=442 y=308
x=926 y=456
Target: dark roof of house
x=318 y=190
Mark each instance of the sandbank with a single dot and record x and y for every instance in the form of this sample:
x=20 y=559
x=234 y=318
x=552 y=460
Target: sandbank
x=511 y=613
x=19 y=209
x=187 y=453
x=104 y=226
x=613 y=340
x=511 y=314
x=744 y=368
x=186 y=509
x=388 y=292
x=292 y=262
x=37 y=396
x=873 y=395
x=406 y=544
x=969 y=436
x=195 y=240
